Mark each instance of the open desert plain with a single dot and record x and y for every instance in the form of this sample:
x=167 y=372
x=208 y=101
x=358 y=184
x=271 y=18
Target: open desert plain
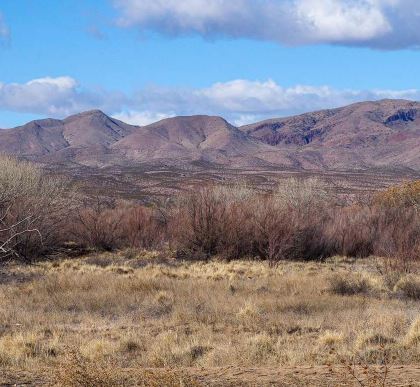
x=209 y=193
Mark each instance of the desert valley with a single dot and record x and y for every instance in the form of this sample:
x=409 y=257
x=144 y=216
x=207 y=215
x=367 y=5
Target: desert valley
x=210 y=193
x=364 y=146
x=205 y=235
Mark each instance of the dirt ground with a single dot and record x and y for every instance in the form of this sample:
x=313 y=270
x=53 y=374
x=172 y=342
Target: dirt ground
x=408 y=375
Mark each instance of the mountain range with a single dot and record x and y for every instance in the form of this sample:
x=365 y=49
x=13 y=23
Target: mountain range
x=380 y=134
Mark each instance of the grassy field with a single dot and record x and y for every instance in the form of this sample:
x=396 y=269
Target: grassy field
x=141 y=318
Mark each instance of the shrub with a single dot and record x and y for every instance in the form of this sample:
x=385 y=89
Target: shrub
x=354 y=231
x=143 y=227
x=104 y=224
x=33 y=210
x=399 y=226
x=213 y=220
x=98 y=225
x=236 y=222
x=406 y=195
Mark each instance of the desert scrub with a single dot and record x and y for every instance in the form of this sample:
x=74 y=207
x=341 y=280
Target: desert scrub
x=349 y=285
x=408 y=287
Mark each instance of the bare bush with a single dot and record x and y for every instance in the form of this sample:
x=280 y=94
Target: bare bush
x=355 y=231
x=98 y=225
x=143 y=227
x=104 y=224
x=33 y=210
x=236 y=222
x=213 y=220
x=398 y=239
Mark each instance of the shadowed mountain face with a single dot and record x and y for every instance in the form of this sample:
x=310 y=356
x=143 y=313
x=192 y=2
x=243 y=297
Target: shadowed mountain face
x=382 y=134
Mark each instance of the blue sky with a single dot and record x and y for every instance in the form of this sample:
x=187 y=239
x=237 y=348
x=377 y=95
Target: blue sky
x=142 y=60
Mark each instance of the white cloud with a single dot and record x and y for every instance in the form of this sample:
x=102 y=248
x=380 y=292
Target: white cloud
x=336 y=21
x=56 y=97
x=61 y=83
x=239 y=101
x=384 y=24
x=245 y=101
x=141 y=118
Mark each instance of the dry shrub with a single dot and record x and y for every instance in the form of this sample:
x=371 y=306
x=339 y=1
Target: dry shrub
x=98 y=225
x=173 y=349
x=259 y=348
x=354 y=231
x=290 y=223
x=236 y=222
x=299 y=220
x=108 y=225
x=345 y=285
x=211 y=221
x=399 y=238
x=34 y=208
x=399 y=226
x=373 y=339
x=405 y=195
x=143 y=227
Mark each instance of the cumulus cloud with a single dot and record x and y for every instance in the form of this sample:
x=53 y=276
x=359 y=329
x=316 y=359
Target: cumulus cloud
x=245 y=101
x=239 y=101
x=142 y=118
x=56 y=97
x=384 y=24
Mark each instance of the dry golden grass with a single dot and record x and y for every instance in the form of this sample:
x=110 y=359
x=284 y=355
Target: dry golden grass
x=113 y=312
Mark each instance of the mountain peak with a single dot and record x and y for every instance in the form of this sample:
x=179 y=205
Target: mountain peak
x=194 y=119
x=95 y=114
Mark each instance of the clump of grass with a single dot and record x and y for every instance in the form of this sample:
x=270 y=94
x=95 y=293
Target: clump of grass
x=17 y=349
x=173 y=349
x=97 y=349
x=409 y=287
x=349 y=285
x=413 y=335
x=259 y=348
x=331 y=338
x=373 y=339
x=249 y=311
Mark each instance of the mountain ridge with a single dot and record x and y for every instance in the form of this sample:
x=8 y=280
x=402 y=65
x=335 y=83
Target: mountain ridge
x=369 y=134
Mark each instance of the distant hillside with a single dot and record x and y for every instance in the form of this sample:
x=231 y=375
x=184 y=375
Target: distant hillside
x=383 y=134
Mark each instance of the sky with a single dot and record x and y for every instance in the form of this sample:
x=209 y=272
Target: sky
x=246 y=60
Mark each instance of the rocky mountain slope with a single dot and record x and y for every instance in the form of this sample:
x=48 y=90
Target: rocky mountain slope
x=384 y=134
